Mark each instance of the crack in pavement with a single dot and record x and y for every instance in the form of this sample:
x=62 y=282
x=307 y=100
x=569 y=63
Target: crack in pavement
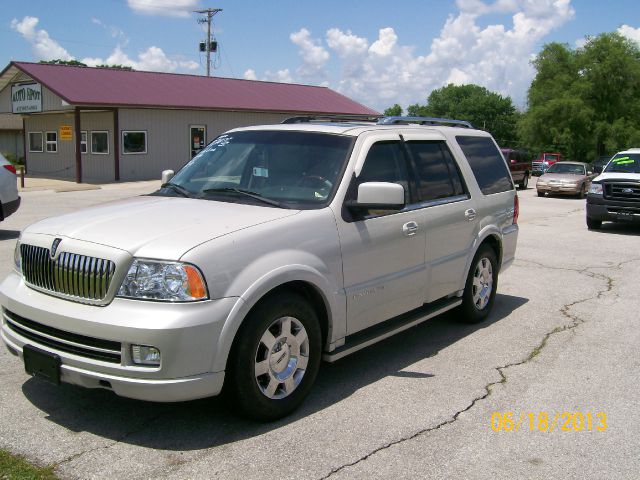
x=575 y=321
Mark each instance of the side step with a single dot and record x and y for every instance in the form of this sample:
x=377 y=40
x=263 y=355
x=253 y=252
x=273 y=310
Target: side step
x=379 y=332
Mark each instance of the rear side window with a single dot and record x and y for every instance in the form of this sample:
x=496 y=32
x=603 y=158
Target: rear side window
x=438 y=176
x=486 y=163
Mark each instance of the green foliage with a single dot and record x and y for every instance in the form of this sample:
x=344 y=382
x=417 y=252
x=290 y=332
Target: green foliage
x=12 y=159
x=585 y=102
x=394 y=111
x=484 y=109
x=58 y=61
x=119 y=67
x=16 y=468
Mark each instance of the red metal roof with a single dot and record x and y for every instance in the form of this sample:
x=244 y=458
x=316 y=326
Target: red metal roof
x=114 y=87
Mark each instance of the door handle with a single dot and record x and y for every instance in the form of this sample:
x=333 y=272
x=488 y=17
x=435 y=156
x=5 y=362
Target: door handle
x=470 y=214
x=410 y=228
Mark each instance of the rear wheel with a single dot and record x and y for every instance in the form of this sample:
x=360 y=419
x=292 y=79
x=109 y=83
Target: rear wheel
x=593 y=224
x=480 y=287
x=275 y=358
x=524 y=183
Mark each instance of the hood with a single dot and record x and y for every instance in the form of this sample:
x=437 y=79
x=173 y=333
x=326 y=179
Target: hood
x=157 y=227
x=625 y=177
x=547 y=177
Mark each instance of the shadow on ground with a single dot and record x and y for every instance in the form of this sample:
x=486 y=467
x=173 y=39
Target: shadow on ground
x=618 y=228
x=9 y=234
x=208 y=423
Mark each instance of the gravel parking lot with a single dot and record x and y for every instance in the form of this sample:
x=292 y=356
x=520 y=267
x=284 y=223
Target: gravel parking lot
x=562 y=338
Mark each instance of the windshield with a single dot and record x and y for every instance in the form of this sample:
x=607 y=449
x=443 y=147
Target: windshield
x=299 y=169
x=550 y=156
x=567 y=168
x=624 y=163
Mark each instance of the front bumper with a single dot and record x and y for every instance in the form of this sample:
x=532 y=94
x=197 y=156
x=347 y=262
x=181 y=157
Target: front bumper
x=9 y=208
x=599 y=208
x=186 y=335
x=558 y=189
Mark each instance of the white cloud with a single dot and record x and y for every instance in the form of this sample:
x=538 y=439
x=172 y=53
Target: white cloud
x=173 y=8
x=282 y=76
x=42 y=45
x=314 y=56
x=114 y=31
x=152 y=59
x=250 y=74
x=384 y=71
x=630 y=32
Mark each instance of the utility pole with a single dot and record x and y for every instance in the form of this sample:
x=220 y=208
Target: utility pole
x=209 y=13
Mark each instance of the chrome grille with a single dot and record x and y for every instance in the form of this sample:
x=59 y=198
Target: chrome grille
x=70 y=274
x=629 y=191
x=44 y=335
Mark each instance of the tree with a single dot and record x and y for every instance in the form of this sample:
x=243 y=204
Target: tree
x=59 y=61
x=484 y=109
x=585 y=102
x=118 y=67
x=394 y=111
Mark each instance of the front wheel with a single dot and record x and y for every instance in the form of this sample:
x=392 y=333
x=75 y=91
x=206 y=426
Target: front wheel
x=275 y=358
x=540 y=194
x=593 y=224
x=480 y=287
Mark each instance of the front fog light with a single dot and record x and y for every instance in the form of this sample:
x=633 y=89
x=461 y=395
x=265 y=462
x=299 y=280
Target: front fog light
x=145 y=355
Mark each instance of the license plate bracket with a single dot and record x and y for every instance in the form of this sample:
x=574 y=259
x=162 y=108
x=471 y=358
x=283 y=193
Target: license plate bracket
x=42 y=364
x=627 y=216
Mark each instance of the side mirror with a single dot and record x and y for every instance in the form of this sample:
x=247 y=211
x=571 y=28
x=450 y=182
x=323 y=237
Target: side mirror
x=379 y=196
x=167 y=175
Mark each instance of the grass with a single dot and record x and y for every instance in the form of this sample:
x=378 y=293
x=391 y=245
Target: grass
x=14 y=467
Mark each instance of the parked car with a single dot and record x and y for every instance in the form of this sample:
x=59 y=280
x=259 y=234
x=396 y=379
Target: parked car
x=520 y=165
x=614 y=195
x=565 y=178
x=9 y=198
x=544 y=161
x=273 y=248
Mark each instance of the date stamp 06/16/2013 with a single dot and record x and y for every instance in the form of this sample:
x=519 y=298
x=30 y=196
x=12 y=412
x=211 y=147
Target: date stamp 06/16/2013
x=549 y=422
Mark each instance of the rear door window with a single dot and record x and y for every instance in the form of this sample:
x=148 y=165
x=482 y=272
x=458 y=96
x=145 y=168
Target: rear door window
x=487 y=165
x=438 y=176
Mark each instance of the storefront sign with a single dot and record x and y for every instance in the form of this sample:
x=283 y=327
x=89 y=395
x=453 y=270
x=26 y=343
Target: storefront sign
x=66 y=132
x=26 y=98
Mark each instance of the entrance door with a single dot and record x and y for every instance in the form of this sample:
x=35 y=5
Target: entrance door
x=197 y=139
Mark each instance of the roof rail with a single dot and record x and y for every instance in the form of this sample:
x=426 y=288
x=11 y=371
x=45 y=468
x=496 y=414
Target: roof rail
x=424 y=121
x=332 y=118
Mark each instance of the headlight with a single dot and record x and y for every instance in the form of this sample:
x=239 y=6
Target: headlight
x=17 y=258
x=166 y=281
x=596 y=188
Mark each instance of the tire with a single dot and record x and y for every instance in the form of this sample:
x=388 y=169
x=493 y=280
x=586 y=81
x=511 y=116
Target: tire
x=583 y=192
x=593 y=224
x=540 y=194
x=524 y=183
x=275 y=358
x=476 y=305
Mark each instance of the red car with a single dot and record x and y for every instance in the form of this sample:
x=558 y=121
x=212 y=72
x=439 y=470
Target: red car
x=520 y=165
x=545 y=161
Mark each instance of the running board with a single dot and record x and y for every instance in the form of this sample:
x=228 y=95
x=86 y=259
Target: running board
x=379 y=332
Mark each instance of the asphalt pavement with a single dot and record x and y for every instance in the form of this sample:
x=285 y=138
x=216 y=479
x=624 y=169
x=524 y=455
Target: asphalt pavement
x=563 y=338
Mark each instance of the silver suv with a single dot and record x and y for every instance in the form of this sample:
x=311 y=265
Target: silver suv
x=274 y=248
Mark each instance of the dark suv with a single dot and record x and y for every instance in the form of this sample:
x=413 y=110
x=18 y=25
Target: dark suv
x=519 y=162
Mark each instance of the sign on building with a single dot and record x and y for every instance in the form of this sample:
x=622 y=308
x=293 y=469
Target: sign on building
x=66 y=132
x=26 y=98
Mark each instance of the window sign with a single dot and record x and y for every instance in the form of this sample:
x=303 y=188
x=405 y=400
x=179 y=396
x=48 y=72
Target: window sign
x=66 y=132
x=197 y=139
x=26 y=98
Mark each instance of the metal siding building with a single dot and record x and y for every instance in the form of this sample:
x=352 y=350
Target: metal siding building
x=130 y=125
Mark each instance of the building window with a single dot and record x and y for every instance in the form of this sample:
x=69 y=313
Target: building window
x=100 y=143
x=35 y=141
x=52 y=142
x=134 y=142
x=83 y=141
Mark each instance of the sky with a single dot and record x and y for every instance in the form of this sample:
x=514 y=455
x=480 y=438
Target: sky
x=377 y=52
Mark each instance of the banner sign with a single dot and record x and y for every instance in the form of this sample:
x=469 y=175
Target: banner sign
x=66 y=132
x=26 y=98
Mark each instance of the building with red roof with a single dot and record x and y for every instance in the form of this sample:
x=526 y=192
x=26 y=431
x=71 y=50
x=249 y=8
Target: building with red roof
x=103 y=124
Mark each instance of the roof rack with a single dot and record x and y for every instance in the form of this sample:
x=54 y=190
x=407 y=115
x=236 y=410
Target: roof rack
x=332 y=118
x=424 y=121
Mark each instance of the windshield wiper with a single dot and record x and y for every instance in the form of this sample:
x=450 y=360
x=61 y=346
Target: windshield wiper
x=248 y=193
x=177 y=188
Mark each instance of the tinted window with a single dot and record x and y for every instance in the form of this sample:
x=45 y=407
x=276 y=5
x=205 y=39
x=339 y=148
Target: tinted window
x=385 y=162
x=438 y=176
x=487 y=164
